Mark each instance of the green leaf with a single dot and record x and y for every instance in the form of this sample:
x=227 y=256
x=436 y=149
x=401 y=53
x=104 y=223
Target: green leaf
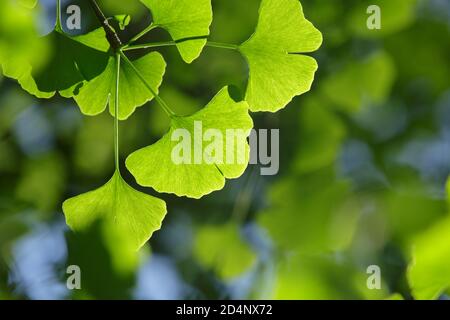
x=112 y=274
x=180 y=103
x=183 y=19
x=123 y=20
x=127 y=211
x=222 y=249
x=73 y=60
x=311 y=213
x=94 y=95
x=395 y=296
x=153 y=166
x=93 y=147
x=278 y=72
x=19 y=42
x=429 y=272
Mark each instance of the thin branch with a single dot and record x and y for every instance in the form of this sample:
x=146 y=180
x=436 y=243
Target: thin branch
x=111 y=34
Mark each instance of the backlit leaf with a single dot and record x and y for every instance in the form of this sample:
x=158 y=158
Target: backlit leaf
x=278 y=72
x=154 y=167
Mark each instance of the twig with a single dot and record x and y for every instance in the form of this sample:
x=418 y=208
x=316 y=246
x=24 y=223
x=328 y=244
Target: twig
x=111 y=34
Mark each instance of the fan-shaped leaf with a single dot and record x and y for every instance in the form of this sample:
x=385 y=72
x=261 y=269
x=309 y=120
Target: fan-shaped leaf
x=277 y=71
x=183 y=19
x=222 y=249
x=155 y=167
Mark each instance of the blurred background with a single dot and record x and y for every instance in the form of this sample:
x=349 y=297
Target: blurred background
x=364 y=159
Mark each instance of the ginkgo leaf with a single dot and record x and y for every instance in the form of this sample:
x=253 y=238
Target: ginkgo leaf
x=429 y=272
x=94 y=95
x=183 y=19
x=278 y=72
x=361 y=83
x=72 y=60
x=204 y=165
x=128 y=211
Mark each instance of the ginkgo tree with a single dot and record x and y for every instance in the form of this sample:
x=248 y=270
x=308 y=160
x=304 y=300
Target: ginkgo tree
x=96 y=71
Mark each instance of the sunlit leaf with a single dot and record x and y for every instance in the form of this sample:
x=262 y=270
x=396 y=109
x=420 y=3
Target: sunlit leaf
x=395 y=296
x=278 y=72
x=222 y=249
x=124 y=209
x=395 y=15
x=183 y=19
x=95 y=94
x=154 y=166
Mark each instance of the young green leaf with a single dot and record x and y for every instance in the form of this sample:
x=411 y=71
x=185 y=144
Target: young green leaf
x=153 y=166
x=129 y=211
x=222 y=249
x=73 y=60
x=361 y=83
x=278 y=72
x=183 y=19
x=95 y=94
